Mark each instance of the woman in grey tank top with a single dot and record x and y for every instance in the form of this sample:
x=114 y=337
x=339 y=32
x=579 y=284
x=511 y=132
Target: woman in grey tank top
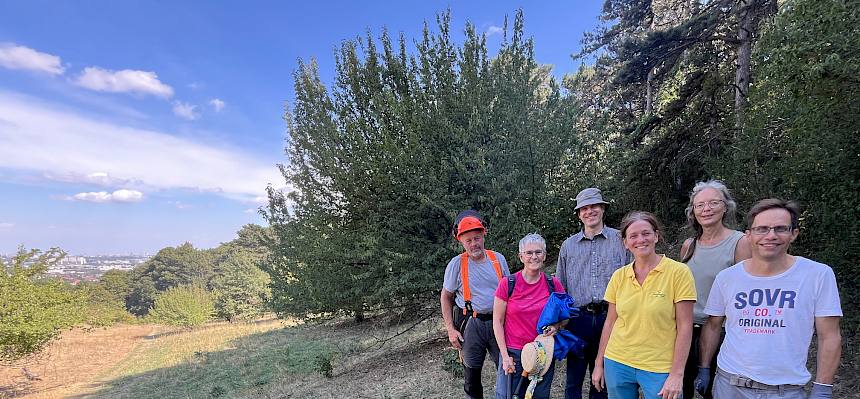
x=713 y=248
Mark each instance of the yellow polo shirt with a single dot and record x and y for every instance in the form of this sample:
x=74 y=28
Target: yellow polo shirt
x=644 y=333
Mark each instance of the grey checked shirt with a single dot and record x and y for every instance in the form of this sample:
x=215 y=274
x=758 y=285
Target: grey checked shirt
x=586 y=265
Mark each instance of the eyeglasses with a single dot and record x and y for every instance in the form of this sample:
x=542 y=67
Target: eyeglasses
x=713 y=204
x=533 y=253
x=763 y=230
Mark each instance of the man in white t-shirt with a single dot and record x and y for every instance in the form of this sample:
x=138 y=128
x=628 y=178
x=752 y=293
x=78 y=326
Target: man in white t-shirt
x=771 y=304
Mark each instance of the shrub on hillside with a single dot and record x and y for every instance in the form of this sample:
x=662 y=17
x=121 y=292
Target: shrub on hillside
x=186 y=306
x=241 y=290
x=33 y=310
x=101 y=307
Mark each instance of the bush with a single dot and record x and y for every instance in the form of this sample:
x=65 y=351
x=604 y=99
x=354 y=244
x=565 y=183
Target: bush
x=101 y=307
x=241 y=290
x=186 y=306
x=33 y=311
x=322 y=365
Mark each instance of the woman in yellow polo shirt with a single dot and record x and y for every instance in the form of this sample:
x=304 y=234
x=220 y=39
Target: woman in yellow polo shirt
x=646 y=336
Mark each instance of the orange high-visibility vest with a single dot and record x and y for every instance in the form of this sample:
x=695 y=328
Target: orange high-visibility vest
x=464 y=275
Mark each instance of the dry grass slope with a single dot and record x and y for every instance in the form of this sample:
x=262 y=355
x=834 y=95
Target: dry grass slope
x=71 y=363
x=379 y=358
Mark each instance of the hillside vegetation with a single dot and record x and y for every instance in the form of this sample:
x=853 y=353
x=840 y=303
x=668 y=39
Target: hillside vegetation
x=759 y=93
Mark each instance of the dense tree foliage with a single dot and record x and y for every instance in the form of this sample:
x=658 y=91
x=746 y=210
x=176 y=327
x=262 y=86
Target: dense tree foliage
x=231 y=272
x=801 y=140
x=101 y=307
x=186 y=306
x=382 y=161
x=33 y=311
x=792 y=132
x=240 y=288
x=117 y=283
x=756 y=92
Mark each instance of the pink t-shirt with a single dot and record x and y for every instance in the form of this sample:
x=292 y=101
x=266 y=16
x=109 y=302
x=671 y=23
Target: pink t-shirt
x=524 y=308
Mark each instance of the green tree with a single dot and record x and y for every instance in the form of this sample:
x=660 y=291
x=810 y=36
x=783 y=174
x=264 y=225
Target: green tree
x=240 y=290
x=186 y=306
x=672 y=82
x=174 y=266
x=170 y=267
x=239 y=286
x=117 y=284
x=102 y=307
x=142 y=294
x=801 y=138
x=382 y=161
x=33 y=310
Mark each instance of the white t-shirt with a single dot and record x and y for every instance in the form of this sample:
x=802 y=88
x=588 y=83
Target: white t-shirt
x=770 y=320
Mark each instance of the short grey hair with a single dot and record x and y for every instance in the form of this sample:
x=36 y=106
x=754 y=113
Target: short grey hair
x=532 y=238
x=731 y=205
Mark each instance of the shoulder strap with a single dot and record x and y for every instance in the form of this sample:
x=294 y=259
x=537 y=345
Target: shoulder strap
x=549 y=284
x=512 y=281
x=464 y=276
x=495 y=261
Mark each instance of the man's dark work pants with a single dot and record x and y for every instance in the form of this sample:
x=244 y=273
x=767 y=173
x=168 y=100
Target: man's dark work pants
x=587 y=327
x=479 y=340
x=691 y=369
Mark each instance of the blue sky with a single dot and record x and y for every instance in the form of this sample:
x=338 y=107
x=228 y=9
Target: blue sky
x=128 y=126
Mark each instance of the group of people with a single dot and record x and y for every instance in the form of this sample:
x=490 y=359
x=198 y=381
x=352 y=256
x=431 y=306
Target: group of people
x=733 y=318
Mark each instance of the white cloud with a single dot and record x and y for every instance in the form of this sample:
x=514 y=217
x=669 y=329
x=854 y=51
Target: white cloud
x=124 y=81
x=60 y=144
x=495 y=30
x=97 y=178
x=185 y=110
x=122 y=195
x=6 y=225
x=250 y=210
x=217 y=104
x=105 y=179
x=101 y=196
x=19 y=57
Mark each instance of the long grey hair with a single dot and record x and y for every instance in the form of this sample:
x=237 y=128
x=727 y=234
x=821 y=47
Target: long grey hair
x=693 y=224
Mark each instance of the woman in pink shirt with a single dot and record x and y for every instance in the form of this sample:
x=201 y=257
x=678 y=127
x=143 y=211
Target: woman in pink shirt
x=515 y=317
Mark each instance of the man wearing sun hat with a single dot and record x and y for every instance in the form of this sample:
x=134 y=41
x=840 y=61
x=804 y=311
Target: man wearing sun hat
x=586 y=262
x=470 y=282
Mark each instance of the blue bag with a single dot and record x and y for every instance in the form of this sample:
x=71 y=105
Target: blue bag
x=560 y=307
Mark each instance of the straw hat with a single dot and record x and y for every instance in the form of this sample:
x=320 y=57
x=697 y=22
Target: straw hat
x=537 y=355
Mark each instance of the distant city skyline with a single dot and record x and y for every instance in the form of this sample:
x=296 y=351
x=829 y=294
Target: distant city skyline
x=127 y=127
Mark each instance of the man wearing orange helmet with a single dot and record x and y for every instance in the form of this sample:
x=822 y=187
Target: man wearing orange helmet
x=470 y=282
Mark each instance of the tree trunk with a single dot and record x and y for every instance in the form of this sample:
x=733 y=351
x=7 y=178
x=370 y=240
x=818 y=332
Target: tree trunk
x=746 y=25
x=649 y=93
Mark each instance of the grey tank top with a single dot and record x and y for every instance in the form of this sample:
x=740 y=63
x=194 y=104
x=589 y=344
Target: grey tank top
x=706 y=262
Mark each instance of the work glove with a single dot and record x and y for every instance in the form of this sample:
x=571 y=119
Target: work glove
x=702 y=380
x=821 y=391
